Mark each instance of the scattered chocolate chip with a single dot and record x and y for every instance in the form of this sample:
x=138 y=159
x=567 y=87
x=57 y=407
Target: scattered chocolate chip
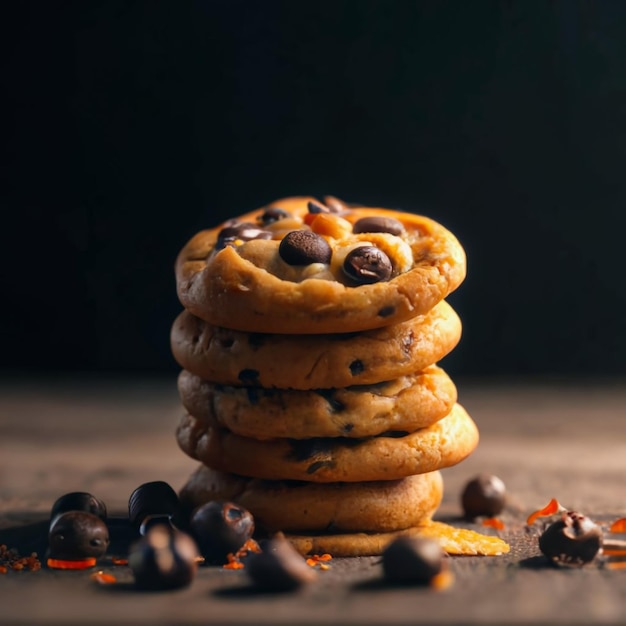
x=378 y=225
x=484 y=494
x=248 y=377
x=303 y=247
x=367 y=265
x=279 y=567
x=412 y=560
x=571 y=541
x=386 y=311
x=244 y=231
x=220 y=528
x=357 y=367
x=76 y=535
x=271 y=215
x=152 y=503
x=165 y=558
x=78 y=501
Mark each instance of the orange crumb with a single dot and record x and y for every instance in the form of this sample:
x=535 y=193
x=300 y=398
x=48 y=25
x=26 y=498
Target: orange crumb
x=103 y=578
x=615 y=565
x=493 y=522
x=550 y=509
x=618 y=526
x=119 y=561
x=614 y=551
x=324 y=566
x=311 y=562
x=3 y=569
x=233 y=565
x=442 y=580
x=64 y=564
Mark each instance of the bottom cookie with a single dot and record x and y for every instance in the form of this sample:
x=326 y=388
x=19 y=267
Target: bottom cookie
x=379 y=506
x=455 y=541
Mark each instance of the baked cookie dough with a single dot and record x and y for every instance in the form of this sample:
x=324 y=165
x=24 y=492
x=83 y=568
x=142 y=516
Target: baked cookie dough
x=386 y=457
x=454 y=541
x=381 y=506
x=404 y=404
x=300 y=266
x=231 y=357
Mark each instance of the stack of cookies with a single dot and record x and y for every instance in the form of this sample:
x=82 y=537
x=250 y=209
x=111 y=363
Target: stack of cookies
x=309 y=343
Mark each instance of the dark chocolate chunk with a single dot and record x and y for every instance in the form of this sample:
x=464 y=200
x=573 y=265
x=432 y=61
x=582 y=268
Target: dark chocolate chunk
x=334 y=404
x=347 y=428
x=253 y=395
x=367 y=265
x=378 y=225
x=336 y=205
x=317 y=207
x=150 y=503
x=572 y=541
x=484 y=495
x=314 y=467
x=76 y=535
x=220 y=528
x=249 y=377
x=303 y=247
x=412 y=560
x=244 y=231
x=386 y=311
x=279 y=567
x=357 y=367
x=303 y=449
x=165 y=558
x=271 y=215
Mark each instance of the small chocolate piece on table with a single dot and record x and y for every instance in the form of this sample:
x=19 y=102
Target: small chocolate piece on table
x=571 y=541
x=484 y=495
x=412 y=560
x=152 y=503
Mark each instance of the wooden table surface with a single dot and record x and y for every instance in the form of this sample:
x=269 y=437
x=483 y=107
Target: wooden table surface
x=544 y=440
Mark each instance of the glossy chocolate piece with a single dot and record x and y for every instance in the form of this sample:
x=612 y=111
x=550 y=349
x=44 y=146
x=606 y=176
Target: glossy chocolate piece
x=240 y=231
x=412 y=560
x=572 y=541
x=152 y=502
x=271 y=215
x=378 y=225
x=367 y=265
x=219 y=529
x=165 y=558
x=76 y=535
x=279 y=567
x=303 y=247
x=483 y=495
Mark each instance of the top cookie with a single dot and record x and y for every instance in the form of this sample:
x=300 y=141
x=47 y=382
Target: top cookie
x=300 y=266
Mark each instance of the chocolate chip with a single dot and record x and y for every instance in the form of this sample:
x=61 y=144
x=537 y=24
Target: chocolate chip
x=279 y=567
x=249 y=377
x=244 y=231
x=378 y=225
x=318 y=465
x=165 y=558
x=303 y=449
x=302 y=247
x=484 y=494
x=386 y=311
x=347 y=428
x=76 y=535
x=367 y=265
x=150 y=503
x=253 y=395
x=571 y=541
x=329 y=395
x=357 y=367
x=317 y=207
x=271 y=215
x=336 y=205
x=78 y=501
x=220 y=528
x=412 y=560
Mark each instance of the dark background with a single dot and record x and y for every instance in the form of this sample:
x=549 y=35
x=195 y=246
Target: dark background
x=128 y=126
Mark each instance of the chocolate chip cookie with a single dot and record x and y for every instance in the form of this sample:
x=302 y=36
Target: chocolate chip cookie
x=301 y=266
x=231 y=357
x=333 y=507
x=402 y=404
x=388 y=456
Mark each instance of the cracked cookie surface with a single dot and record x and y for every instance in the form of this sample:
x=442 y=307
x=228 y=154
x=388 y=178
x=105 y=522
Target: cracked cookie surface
x=300 y=266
